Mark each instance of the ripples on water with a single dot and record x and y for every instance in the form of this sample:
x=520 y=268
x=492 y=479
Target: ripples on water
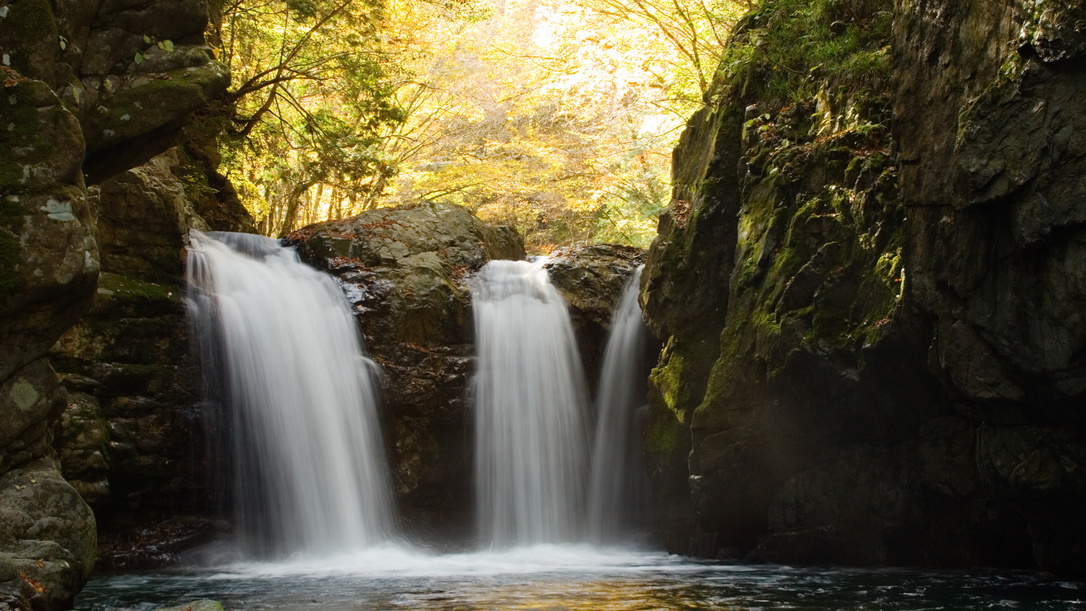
x=568 y=577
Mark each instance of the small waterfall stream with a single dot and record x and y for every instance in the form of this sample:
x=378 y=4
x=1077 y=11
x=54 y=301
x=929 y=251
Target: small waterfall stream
x=531 y=438
x=279 y=343
x=618 y=489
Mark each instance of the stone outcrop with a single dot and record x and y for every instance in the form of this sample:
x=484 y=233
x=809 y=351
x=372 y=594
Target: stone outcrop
x=872 y=342
x=591 y=279
x=995 y=196
x=75 y=101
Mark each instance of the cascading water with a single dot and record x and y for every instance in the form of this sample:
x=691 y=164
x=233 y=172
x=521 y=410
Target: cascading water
x=308 y=459
x=618 y=503
x=531 y=455
x=529 y=409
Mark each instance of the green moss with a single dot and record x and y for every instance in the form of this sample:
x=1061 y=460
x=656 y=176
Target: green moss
x=12 y=214
x=10 y=281
x=667 y=379
x=31 y=20
x=664 y=435
x=192 y=176
x=29 y=25
x=765 y=324
x=136 y=374
x=785 y=50
x=26 y=126
x=125 y=288
x=33 y=129
x=24 y=120
x=11 y=172
x=888 y=268
x=821 y=197
x=152 y=96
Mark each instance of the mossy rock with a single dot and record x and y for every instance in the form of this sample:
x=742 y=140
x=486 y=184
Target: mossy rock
x=28 y=32
x=120 y=295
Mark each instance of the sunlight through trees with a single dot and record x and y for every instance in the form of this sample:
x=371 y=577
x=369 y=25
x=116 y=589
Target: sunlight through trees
x=554 y=116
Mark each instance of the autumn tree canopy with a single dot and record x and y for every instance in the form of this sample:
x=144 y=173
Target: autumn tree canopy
x=554 y=116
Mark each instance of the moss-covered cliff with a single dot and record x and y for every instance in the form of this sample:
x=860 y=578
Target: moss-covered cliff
x=873 y=229
x=76 y=108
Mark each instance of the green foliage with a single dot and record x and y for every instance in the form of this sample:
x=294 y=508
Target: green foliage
x=786 y=51
x=165 y=45
x=556 y=117
x=310 y=109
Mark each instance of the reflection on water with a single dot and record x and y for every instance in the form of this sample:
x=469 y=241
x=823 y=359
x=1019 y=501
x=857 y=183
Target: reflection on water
x=569 y=577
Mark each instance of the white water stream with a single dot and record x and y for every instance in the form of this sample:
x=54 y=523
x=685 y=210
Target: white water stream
x=618 y=503
x=530 y=432
x=309 y=464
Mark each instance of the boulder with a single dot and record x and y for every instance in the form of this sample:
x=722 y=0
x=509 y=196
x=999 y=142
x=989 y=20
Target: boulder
x=47 y=534
x=591 y=279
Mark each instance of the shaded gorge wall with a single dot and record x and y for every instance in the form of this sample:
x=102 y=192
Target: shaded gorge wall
x=868 y=290
x=76 y=110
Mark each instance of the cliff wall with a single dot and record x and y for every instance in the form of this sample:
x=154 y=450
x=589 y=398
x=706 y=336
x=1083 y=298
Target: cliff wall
x=77 y=109
x=867 y=288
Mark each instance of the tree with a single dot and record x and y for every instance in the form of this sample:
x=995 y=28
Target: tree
x=695 y=30
x=311 y=107
x=554 y=116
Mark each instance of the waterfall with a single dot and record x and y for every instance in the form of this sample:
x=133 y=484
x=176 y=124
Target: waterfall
x=618 y=489
x=529 y=409
x=281 y=350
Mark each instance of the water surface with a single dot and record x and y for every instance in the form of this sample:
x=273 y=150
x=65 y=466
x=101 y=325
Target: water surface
x=569 y=577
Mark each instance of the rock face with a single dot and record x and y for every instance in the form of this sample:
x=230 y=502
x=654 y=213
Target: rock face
x=996 y=204
x=75 y=101
x=591 y=279
x=404 y=270
x=873 y=338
